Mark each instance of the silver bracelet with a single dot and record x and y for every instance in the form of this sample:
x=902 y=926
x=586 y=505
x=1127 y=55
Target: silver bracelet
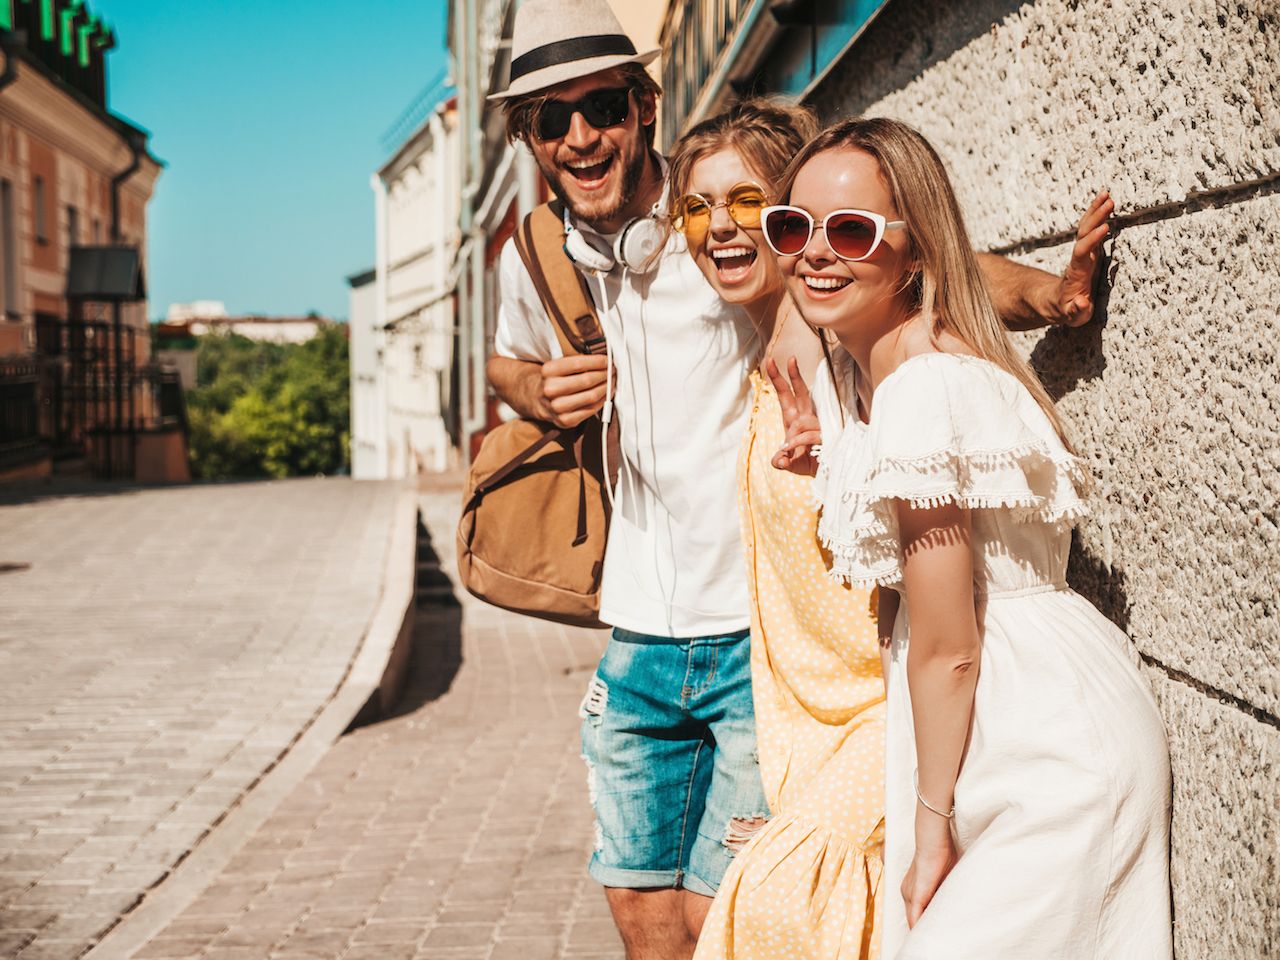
x=915 y=779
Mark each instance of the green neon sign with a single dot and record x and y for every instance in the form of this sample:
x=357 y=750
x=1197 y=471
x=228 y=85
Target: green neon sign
x=6 y=15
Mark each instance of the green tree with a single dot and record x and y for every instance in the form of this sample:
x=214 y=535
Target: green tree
x=270 y=410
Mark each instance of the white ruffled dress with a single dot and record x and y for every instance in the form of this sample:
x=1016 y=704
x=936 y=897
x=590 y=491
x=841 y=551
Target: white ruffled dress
x=1062 y=805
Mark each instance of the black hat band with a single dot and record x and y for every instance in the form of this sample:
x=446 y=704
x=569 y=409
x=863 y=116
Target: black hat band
x=567 y=51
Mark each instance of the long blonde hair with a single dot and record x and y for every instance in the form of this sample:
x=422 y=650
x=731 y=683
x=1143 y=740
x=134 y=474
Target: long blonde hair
x=948 y=289
x=764 y=132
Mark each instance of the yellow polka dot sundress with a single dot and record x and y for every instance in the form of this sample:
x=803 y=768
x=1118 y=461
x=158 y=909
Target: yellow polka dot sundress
x=806 y=885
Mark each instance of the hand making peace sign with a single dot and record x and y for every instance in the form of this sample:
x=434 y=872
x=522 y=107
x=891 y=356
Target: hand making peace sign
x=799 y=418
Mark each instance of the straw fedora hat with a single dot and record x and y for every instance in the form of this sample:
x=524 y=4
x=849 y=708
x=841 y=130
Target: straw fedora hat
x=558 y=40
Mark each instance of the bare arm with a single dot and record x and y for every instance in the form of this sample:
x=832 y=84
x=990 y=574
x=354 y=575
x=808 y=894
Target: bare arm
x=942 y=674
x=1027 y=298
x=518 y=383
x=564 y=391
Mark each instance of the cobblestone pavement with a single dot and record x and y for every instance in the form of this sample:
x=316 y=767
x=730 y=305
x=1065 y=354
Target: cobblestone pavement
x=457 y=830
x=161 y=651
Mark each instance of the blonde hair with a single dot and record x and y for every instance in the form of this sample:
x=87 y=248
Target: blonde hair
x=948 y=288
x=765 y=133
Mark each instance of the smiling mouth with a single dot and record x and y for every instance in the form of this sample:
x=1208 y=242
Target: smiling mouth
x=733 y=263
x=825 y=286
x=590 y=174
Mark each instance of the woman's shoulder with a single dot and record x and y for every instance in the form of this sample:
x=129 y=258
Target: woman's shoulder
x=953 y=399
x=938 y=373
x=954 y=427
x=945 y=428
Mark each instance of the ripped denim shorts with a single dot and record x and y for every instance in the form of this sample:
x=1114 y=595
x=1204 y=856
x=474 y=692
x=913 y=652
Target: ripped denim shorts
x=668 y=733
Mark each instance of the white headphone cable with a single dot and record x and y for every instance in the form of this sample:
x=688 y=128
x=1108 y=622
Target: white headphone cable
x=606 y=416
x=606 y=413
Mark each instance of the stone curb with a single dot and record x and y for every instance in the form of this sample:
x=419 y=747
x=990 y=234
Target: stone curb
x=370 y=687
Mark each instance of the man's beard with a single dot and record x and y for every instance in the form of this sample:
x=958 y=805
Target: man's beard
x=632 y=177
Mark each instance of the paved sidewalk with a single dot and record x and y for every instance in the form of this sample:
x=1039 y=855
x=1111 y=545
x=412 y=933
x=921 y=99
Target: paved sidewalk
x=159 y=654
x=458 y=829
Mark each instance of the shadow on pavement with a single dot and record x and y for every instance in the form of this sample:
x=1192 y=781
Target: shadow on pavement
x=436 y=652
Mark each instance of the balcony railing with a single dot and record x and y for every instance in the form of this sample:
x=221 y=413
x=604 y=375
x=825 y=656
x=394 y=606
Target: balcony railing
x=697 y=36
x=85 y=394
x=20 y=440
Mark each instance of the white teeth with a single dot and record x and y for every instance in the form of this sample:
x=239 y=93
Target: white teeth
x=732 y=252
x=584 y=164
x=826 y=283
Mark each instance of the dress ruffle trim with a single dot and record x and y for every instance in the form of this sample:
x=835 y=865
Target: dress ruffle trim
x=859 y=524
x=944 y=429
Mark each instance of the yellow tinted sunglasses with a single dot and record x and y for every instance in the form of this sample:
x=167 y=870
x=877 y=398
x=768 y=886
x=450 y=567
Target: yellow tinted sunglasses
x=691 y=214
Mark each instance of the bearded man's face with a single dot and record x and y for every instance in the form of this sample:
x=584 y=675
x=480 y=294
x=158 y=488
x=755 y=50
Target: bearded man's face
x=597 y=172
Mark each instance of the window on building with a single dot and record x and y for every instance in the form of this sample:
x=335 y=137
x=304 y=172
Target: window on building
x=73 y=227
x=97 y=230
x=42 y=227
x=8 y=249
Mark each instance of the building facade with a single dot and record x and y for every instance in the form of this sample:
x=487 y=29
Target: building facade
x=499 y=182
x=76 y=378
x=1173 y=393
x=403 y=356
x=250 y=326
x=368 y=413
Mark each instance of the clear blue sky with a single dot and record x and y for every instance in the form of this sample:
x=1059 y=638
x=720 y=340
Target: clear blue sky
x=268 y=114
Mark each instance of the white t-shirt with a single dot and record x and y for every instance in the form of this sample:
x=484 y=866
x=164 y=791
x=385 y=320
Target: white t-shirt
x=673 y=563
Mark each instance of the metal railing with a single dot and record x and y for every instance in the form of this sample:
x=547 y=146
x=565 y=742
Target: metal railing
x=697 y=37
x=86 y=394
x=20 y=440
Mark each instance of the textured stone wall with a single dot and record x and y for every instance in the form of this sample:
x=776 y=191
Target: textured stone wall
x=1174 y=394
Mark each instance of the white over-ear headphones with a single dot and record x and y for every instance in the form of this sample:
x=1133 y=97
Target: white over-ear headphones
x=636 y=247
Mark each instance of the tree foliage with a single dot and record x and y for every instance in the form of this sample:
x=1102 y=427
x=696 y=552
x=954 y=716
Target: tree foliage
x=269 y=409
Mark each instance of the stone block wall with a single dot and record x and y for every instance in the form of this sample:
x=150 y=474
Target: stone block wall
x=1173 y=394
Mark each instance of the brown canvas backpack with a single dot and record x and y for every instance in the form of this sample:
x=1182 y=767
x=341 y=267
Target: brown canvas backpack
x=535 y=513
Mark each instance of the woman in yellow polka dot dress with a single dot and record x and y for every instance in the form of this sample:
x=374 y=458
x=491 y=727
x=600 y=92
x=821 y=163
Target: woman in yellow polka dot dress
x=805 y=884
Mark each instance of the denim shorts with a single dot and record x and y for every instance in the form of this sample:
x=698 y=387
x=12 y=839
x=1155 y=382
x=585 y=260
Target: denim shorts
x=668 y=733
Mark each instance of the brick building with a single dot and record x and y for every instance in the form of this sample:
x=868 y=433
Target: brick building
x=76 y=382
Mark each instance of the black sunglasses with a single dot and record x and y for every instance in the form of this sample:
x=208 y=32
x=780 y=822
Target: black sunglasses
x=600 y=108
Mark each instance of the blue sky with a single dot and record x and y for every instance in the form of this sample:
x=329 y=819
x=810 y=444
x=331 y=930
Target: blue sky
x=268 y=114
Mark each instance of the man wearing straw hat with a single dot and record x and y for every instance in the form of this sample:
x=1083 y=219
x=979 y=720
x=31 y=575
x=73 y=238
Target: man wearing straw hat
x=668 y=729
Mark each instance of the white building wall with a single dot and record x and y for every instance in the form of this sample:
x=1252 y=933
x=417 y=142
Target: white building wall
x=367 y=415
x=263 y=329
x=419 y=236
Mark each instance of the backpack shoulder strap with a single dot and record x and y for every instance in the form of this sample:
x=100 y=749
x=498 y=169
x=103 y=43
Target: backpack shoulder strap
x=561 y=287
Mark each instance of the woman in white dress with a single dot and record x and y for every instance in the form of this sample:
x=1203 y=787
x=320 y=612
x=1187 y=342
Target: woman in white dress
x=1027 y=771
